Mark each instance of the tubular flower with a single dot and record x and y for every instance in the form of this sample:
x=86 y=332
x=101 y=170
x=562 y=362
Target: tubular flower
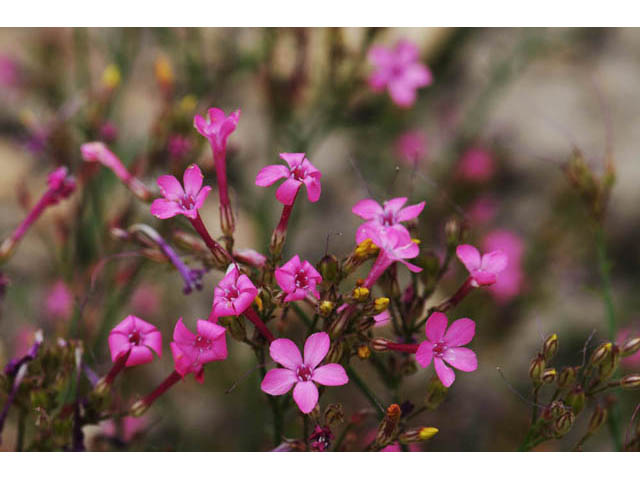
x=398 y=70
x=297 y=279
x=191 y=351
x=387 y=215
x=181 y=201
x=302 y=373
x=233 y=295
x=137 y=339
x=444 y=344
x=300 y=171
x=483 y=270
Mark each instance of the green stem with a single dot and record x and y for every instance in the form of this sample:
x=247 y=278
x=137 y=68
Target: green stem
x=22 y=421
x=366 y=391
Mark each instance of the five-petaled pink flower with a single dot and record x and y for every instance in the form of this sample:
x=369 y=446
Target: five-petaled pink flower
x=483 y=269
x=444 y=344
x=137 y=338
x=387 y=215
x=398 y=70
x=233 y=295
x=191 y=351
x=297 y=279
x=300 y=171
x=177 y=200
x=217 y=127
x=302 y=373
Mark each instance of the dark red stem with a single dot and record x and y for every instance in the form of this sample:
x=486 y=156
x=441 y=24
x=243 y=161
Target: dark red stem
x=254 y=318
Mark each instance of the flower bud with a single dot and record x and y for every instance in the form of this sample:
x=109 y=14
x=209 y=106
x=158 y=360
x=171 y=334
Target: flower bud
x=564 y=423
x=235 y=327
x=360 y=294
x=335 y=352
x=436 y=393
x=452 y=232
x=567 y=376
x=388 y=426
x=380 y=304
x=334 y=414
x=630 y=347
x=366 y=249
x=600 y=353
x=598 y=417
x=138 y=408
x=610 y=363
x=414 y=435
x=549 y=375
x=379 y=344
x=364 y=352
x=553 y=410
x=536 y=368
x=102 y=387
x=631 y=381
x=325 y=308
x=550 y=347
x=576 y=399
x=329 y=268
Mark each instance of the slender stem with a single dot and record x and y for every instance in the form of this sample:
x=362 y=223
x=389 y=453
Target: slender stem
x=402 y=347
x=22 y=423
x=534 y=408
x=366 y=391
x=219 y=253
x=254 y=318
x=169 y=382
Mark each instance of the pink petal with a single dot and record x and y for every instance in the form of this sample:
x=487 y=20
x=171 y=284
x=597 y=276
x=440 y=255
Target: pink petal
x=316 y=348
x=163 y=208
x=395 y=204
x=378 y=80
x=182 y=334
x=418 y=75
x=244 y=301
x=285 y=280
x=139 y=355
x=199 y=374
x=331 y=374
x=484 y=278
x=278 y=381
x=436 y=326
x=286 y=353
x=495 y=261
x=313 y=188
x=461 y=358
x=410 y=212
x=271 y=174
x=445 y=374
x=411 y=266
x=210 y=330
x=424 y=355
x=295 y=295
x=201 y=197
x=170 y=187
x=181 y=362
x=380 y=55
x=292 y=159
x=192 y=180
x=405 y=52
x=305 y=395
x=368 y=209
x=286 y=192
x=460 y=332
x=118 y=344
x=153 y=340
x=382 y=319
x=469 y=256
x=200 y=123
x=402 y=94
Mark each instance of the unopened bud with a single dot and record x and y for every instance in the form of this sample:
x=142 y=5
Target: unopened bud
x=364 y=352
x=388 y=426
x=609 y=365
x=600 y=353
x=576 y=399
x=630 y=347
x=414 y=435
x=553 y=411
x=325 y=308
x=549 y=375
x=329 y=268
x=550 y=347
x=380 y=304
x=366 y=249
x=452 y=232
x=334 y=414
x=631 y=381
x=436 y=393
x=360 y=294
x=567 y=376
x=138 y=408
x=564 y=423
x=335 y=352
x=380 y=344
x=536 y=368
x=102 y=387
x=235 y=327
x=598 y=417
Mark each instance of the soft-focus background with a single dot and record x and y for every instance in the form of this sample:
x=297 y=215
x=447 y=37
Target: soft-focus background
x=492 y=133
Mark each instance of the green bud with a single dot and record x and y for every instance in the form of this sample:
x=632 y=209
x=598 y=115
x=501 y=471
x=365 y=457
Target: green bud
x=329 y=268
x=630 y=347
x=564 y=423
x=414 y=435
x=550 y=347
x=335 y=352
x=549 y=375
x=334 y=414
x=138 y=408
x=631 y=381
x=609 y=365
x=576 y=399
x=598 y=417
x=567 y=376
x=436 y=393
x=235 y=326
x=536 y=368
x=600 y=353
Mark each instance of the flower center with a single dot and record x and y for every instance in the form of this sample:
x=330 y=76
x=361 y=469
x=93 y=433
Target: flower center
x=439 y=348
x=301 y=279
x=231 y=293
x=303 y=373
x=187 y=202
x=135 y=338
x=397 y=70
x=202 y=343
x=388 y=219
x=299 y=173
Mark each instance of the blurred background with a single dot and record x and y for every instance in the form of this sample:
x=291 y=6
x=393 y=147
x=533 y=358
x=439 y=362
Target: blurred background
x=486 y=143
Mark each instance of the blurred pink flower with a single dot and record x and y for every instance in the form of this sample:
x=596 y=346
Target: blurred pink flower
x=233 y=295
x=251 y=257
x=444 y=344
x=302 y=374
x=131 y=426
x=179 y=146
x=382 y=319
x=9 y=72
x=59 y=301
x=217 y=127
x=483 y=270
x=476 y=165
x=137 y=338
x=300 y=171
x=108 y=132
x=297 y=279
x=387 y=215
x=146 y=300
x=191 y=351
x=179 y=201
x=511 y=280
x=411 y=147
x=398 y=70
x=632 y=361
x=23 y=340
x=482 y=211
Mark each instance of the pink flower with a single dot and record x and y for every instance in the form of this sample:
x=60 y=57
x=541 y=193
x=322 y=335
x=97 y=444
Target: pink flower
x=177 y=200
x=382 y=319
x=179 y=146
x=389 y=215
x=483 y=269
x=217 y=127
x=59 y=302
x=300 y=171
x=298 y=279
x=131 y=427
x=302 y=373
x=136 y=336
x=233 y=295
x=9 y=71
x=476 y=165
x=60 y=184
x=191 y=351
x=511 y=280
x=146 y=300
x=251 y=257
x=399 y=71
x=411 y=147
x=482 y=211
x=444 y=344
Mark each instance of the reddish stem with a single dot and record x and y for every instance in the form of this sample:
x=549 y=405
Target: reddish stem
x=402 y=347
x=219 y=253
x=280 y=233
x=169 y=382
x=117 y=367
x=457 y=297
x=254 y=318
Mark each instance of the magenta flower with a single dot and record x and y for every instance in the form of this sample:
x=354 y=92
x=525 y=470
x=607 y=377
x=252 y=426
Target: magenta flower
x=137 y=338
x=398 y=70
x=300 y=171
x=233 y=295
x=59 y=302
x=444 y=344
x=476 y=165
x=250 y=257
x=510 y=282
x=483 y=269
x=302 y=373
x=411 y=147
x=181 y=201
x=387 y=215
x=298 y=279
x=217 y=127
x=191 y=351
